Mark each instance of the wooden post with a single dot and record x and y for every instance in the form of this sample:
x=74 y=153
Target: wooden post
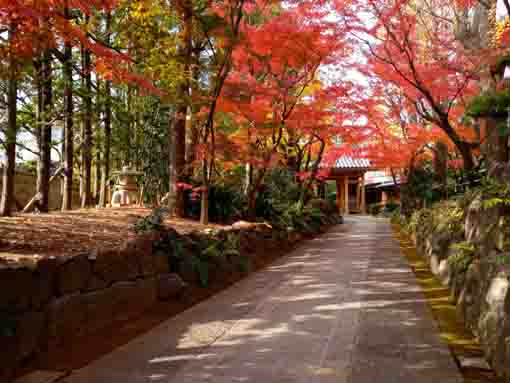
x=363 y=196
x=346 y=194
x=384 y=197
x=358 y=195
x=338 y=195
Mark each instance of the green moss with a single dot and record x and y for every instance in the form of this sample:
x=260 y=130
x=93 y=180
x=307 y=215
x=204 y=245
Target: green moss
x=452 y=331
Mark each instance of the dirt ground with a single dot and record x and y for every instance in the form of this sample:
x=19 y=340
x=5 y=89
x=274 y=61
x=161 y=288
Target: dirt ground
x=70 y=233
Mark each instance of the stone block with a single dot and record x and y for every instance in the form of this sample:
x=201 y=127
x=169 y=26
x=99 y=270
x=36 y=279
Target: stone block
x=74 y=275
x=16 y=287
x=41 y=376
x=45 y=281
x=140 y=244
x=99 y=308
x=30 y=333
x=132 y=298
x=147 y=265
x=222 y=263
x=493 y=323
x=111 y=266
x=170 y=286
x=24 y=340
x=96 y=283
x=478 y=363
x=161 y=262
x=295 y=237
x=187 y=271
x=443 y=272
x=67 y=317
x=468 y=305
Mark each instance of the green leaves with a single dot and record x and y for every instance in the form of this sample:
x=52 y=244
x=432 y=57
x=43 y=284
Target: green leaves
x=503 y=129
x=489 y=104
x=201 y=267
x=212 y=250
x=495 y=194
x=243 y=263
x=153 y=221
x=462 y=258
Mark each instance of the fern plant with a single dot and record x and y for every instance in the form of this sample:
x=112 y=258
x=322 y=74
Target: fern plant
x=463 y=256
x=153 y=221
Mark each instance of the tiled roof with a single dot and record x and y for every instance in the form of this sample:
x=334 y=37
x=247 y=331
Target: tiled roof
x=346 y=162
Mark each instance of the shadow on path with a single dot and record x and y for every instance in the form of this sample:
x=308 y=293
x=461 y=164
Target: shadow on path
x=344 y=307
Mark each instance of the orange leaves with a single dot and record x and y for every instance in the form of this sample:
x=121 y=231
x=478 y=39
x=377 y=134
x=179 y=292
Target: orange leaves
x=42 y=24
x=419 y=79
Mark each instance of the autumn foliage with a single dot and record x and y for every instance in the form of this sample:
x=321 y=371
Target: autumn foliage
x=251 y=83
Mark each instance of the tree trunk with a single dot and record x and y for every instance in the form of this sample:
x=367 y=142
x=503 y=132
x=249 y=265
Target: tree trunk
x=204 y=207
x=441 y=167
x=192 y=131
x=315 y=169
x=97 y=178
x=9 y=173
x=87 y=130
x=252 y=204
x=44 y=163
x=467 y=156
x=67 y=199
x=138 y=131
x=253 y=193
x=107 y=134
x=191 y=142
x=129 y=107
x=248 y=179
x=105 y=170
x=185 y=50
x=172 y=174
x=98 y=143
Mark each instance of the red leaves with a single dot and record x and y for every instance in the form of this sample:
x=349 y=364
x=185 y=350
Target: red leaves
x=41 y=24
x=418 y=80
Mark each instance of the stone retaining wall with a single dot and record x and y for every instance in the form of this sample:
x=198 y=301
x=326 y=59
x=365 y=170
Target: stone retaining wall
x=57 y=300
x=481 y=286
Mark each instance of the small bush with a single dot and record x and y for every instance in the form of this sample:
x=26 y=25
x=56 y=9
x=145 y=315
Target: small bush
x=390 y=207
x=153 y=221
x=462 y=258
x=374 y=209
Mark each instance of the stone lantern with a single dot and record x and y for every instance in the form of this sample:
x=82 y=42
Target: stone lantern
x=126 y=191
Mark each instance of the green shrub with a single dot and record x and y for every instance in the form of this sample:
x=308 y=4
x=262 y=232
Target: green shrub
x=153 y=221
x=462 y=258
x=391 y=206
x=489 y=103
x=396 y=217
x=226 y=203
x=374 y=209
x=280 y=192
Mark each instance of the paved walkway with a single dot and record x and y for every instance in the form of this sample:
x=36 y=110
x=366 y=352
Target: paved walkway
x=344 y=307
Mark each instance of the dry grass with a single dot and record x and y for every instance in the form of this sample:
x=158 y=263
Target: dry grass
x=74 y=232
